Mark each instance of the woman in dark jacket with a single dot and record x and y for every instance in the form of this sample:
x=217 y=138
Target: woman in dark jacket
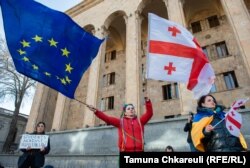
x=188 y=128
x=209 y=132
x=34 y=158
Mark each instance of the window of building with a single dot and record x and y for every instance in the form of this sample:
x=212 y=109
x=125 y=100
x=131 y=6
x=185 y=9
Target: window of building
x=213 y=89
x=102 y=105
x=109 y=79
x=204 y=49
x=113 y=55
x=213 y=21
x=175 y=85
x=230 y=80
x=166 y=89
x=170 y=91
x=107 y=103
x=221 y=49
x=109 y=56
x=104 y=80
x=111 y=103
x=196 y=27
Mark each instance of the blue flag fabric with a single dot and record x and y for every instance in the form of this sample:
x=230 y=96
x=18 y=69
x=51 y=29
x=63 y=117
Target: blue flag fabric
x=47 y=45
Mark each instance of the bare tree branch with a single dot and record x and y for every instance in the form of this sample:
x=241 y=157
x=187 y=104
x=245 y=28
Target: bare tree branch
x=13 y=85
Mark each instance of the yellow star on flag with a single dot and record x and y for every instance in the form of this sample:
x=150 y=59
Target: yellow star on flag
x=67 y=79
x=26 y=59
x=65 y=52
x=68 y=68
x=52 y=42
x=47 y=74
x=63 y=81
x=25 y=43
x=35 y=67
x=37 y=38
x=21 y=52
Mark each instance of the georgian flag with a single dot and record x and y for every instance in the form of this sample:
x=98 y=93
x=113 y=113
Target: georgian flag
x=174 y=55
x=233 y=122
x=238 y=103
x=233 y=118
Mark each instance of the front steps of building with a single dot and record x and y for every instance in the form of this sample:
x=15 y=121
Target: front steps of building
x=97 y=146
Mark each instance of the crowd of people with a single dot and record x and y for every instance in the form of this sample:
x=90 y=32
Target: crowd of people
x=206 y=129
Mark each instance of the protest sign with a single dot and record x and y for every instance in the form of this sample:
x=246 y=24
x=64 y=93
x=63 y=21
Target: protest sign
x=33 y=141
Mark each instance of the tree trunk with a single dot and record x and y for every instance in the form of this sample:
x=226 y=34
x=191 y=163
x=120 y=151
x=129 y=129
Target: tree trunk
x=12 y=130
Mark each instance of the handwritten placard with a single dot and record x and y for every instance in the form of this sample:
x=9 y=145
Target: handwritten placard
x=33 y=141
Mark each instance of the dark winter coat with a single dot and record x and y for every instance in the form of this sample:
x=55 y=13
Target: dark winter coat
x=219 y=139
x=33 y=157
x=187 y=128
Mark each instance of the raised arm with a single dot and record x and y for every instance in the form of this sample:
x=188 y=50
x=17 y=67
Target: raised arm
x=108 y=119
x=148 y=113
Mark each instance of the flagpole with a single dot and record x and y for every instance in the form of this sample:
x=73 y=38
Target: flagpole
x=219 y=122
x=82 y=102
x=237 y=104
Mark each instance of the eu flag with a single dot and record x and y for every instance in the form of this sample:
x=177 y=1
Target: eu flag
x=47 y=45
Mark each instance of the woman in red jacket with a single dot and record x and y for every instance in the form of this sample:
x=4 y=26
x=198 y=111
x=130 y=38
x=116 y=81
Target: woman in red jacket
x=130 y=128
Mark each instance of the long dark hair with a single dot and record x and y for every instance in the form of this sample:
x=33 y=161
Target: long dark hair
x=202 y=100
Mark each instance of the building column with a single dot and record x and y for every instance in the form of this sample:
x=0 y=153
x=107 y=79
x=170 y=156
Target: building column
x=61 y=113
x=133 y=57
x=38 y=105
x=92 y=92
x=175 y=11
x=176 y=14
x=239 y=19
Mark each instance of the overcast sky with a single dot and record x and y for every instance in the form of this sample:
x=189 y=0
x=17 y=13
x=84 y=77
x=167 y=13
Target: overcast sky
x=60 y=5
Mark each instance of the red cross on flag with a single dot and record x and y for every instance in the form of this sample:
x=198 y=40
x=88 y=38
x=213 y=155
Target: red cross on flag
x=174 y=55
x=233 y=122
x=233 y=118
x=238 y=103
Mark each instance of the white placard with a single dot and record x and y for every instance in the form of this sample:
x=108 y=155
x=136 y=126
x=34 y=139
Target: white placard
x=34 y=141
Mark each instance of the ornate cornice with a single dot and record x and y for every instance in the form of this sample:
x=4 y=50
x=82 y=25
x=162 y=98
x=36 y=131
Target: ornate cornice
x=83 y=6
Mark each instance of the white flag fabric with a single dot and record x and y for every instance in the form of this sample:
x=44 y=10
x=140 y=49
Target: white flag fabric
x=238 y=103
x=174 y=55
x=233 y=118
x=233 y=122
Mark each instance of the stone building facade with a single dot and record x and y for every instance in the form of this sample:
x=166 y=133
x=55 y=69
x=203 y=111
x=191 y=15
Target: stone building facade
x=117 y=75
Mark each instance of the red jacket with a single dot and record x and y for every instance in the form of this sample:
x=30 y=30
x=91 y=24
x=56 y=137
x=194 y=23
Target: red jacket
x=130 y=130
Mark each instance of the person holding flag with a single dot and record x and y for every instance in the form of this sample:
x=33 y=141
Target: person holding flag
x=209 y=131
x=130 y=127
